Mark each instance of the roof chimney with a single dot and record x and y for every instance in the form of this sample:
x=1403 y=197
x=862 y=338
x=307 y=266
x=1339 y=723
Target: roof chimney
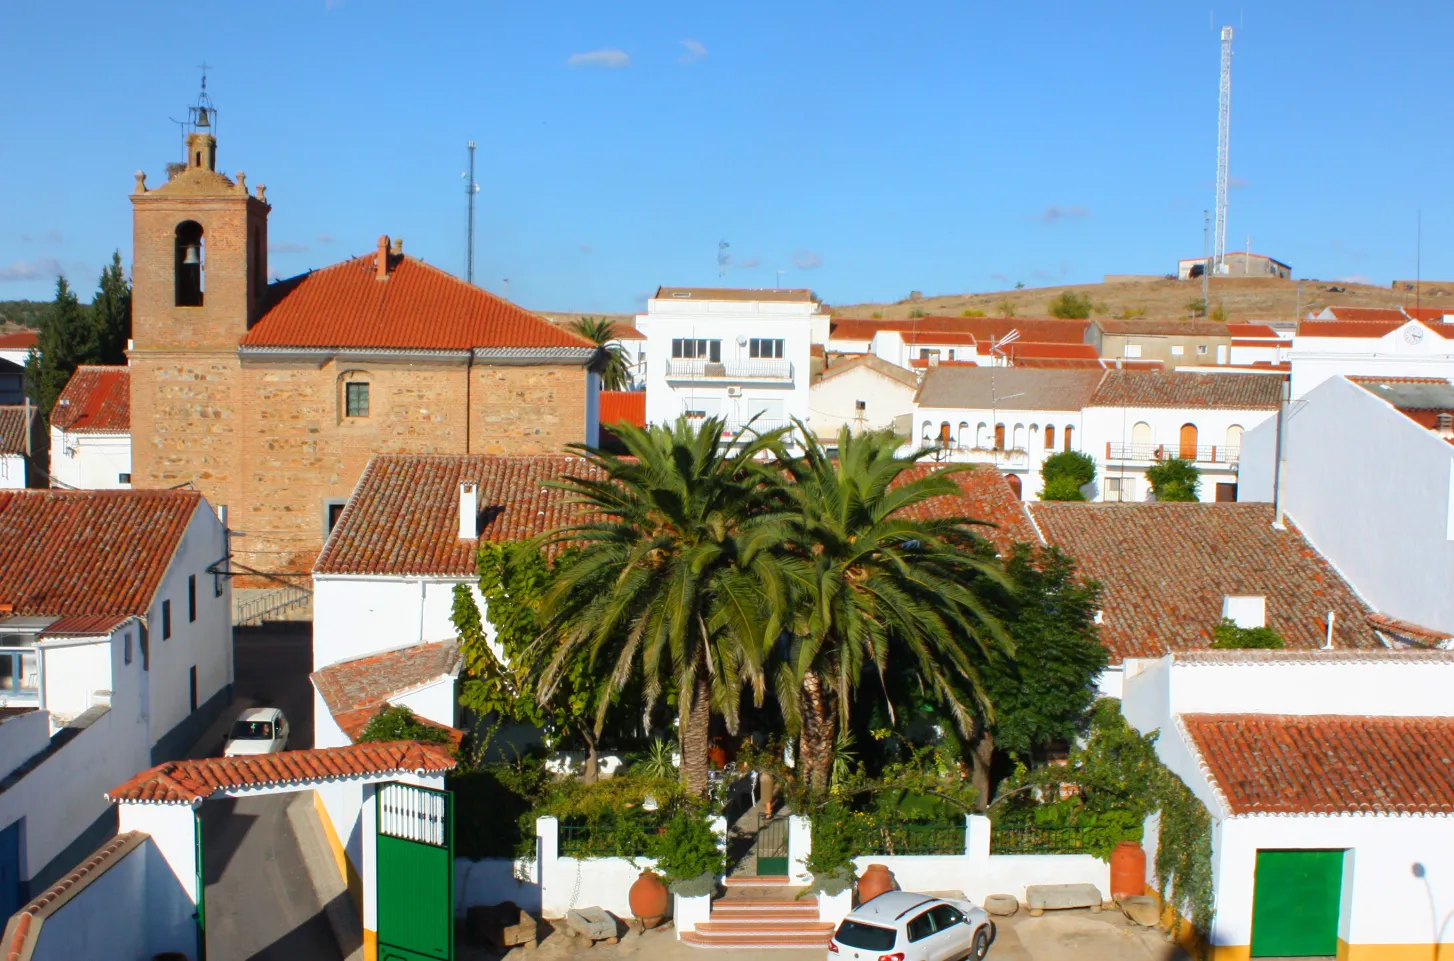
x=469 y=510
x=398 y=246
x=382 y=261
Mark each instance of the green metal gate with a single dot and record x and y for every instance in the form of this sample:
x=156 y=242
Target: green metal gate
x=415 y=886
x=201 y=913
x=1295 y=903
x=771 y=846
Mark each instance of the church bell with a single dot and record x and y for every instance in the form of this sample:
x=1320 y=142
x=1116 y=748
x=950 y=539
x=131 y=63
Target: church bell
x=193 y=255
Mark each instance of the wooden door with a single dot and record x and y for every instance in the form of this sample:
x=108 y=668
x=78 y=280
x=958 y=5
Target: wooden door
x=1188 y=442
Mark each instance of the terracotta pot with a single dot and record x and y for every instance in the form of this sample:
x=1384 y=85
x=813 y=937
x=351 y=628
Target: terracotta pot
x=1128 y=870
x=876 y=880
x=717 y=755
x=766 y=787
x=649 y=898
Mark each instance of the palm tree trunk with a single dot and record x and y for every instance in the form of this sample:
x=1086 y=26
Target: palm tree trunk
x=982 y=756
x=820 y=723
x=696 y=727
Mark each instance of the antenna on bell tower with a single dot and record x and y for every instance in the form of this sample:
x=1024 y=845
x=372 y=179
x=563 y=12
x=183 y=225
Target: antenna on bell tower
x=202 y=116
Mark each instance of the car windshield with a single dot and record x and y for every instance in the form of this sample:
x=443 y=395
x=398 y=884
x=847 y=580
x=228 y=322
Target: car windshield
x=252 y=731
x=870 y=937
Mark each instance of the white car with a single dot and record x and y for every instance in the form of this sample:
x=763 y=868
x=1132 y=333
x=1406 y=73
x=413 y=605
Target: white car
x=257 y=730
x=901 y=926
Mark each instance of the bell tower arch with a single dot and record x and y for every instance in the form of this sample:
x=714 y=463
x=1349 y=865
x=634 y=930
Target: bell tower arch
x=199 y=248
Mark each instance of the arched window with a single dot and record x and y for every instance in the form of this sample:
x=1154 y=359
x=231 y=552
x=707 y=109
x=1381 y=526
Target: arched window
x=1234 y=440
x=1014 y=481
x=1017 y=439
x=962 y=435
x=1069 y=435
x=1188 y=442
x=999 y=437
x=1050 y=437
x=944 y=434
x=927 y=432
x=982 y=436
x=189 y=253
x=1141 y=434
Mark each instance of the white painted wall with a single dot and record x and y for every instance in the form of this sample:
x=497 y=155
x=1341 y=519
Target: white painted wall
x=1315 y=359
x=107 y=919
x=76 y=673
x=205 y=643
x=354 y=616
x=90 y=461
x=834 y=401
x=1162 y=426
x=495 y=881
x=973 y=432
x=21 y=737
x=1373 y=491
x=728 y=321
x=436 y=702
x=12 y=471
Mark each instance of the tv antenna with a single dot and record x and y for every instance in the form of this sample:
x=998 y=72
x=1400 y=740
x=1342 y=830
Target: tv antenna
x=1224 y=136
x=470 y=188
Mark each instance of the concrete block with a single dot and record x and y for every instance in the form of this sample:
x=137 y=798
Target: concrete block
x=1058 y=897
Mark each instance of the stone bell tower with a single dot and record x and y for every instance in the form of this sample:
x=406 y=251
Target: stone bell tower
x=200 y=241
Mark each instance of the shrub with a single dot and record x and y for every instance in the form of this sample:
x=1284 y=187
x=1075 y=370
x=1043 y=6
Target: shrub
x=1175 y=479
x=1062 y=489
x=1005 y=307
x=1071 y=306
x=972 y=312
x=687 y=853
x=400 y=724
x=1076 y=465
x=1227 y=636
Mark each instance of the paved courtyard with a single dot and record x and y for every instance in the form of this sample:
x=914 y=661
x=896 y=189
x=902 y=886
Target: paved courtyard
x=1055 y=936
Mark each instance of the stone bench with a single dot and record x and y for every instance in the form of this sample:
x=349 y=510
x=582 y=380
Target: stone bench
x=1058 y=897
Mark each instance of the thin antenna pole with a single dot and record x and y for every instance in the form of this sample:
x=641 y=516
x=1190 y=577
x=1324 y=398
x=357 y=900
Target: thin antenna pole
x=1224 y=138
x=1419 y=264
x=1206 y=260
x=470 y=188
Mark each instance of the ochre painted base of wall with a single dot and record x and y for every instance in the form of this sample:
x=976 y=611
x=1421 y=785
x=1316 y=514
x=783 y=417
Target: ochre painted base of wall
x=1394 y=952
x=346 y=870
x=371 y=945
x=1230 y=952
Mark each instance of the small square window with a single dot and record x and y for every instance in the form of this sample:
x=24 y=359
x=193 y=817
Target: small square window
x=1133 y=350
x=123 y=478
x=356 y=397
x=1177 y=350
x=332 y=511
x=860 y=405
x=1201 y=348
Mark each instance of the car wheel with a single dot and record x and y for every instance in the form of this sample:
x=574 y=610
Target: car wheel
x=981 y=945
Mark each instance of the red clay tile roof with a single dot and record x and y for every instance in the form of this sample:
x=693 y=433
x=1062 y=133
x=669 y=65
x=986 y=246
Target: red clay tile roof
x=14 y=428
x=89 y=552
x=1157 y=327
x=1366 y=655
x=1022 y=350
x=187 y=782
x=987 y=497
x=978 y=388
x=1037 y=329
x=1254 y=331
x=1188 y=389
x=1166 y=568
x=1327 y=764
x=19 y=339
x=96 y=400
x=1393 y=315
x=403 y=517
x=627 y=332
x=355 y=690
x=1408 y=629
x=85 y=625
x=419 y=307
x=843 y=363
x=1364 y=329
x=627 y=405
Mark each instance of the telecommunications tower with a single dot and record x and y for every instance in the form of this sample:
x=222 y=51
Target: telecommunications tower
x=1224 y=136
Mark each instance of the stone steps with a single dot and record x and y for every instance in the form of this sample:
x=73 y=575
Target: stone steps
x=746 y=922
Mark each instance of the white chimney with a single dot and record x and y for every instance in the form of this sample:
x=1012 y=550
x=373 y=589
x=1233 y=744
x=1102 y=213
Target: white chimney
x=1245 y=610
x=469 y=510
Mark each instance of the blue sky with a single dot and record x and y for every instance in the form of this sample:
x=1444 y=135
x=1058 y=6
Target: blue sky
x=863 y=149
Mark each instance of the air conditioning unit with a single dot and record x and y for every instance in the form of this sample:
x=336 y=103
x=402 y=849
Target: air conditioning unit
x=734 y=391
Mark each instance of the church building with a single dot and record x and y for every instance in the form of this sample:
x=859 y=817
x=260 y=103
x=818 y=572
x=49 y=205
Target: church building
x=270 y=398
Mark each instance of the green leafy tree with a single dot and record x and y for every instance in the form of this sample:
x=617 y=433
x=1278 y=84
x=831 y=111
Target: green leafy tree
x=874 y=583
x=72 y=334
x=1045 y=697
x=399 y=724
x=1175 y=479
x=664 y=584
x=1227 y=635
x=1065 y=474
x=615 y=375
x=1070 y=305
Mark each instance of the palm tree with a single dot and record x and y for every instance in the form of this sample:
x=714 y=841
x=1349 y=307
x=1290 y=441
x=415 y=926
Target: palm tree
x=616 y=374
x=879 y=580
x=668 y=574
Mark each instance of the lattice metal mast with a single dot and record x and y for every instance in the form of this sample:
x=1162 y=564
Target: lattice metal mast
x=470 y=188
x=1224 y=136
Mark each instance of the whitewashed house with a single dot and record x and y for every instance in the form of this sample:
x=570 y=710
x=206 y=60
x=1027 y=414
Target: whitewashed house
x=1136 y=419
x=115 y=653
x=383 y=587
x=15 y=349
x=1327 y=778
x=1384 y=518
x=735 y=354
x=19 y=444
x=90 y=430
x=1401 y=346
x=862 y=392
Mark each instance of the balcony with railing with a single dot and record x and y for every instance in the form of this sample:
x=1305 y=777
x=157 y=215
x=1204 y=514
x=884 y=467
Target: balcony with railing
x=1151 y=453
x=772 y=371
x=953 y=453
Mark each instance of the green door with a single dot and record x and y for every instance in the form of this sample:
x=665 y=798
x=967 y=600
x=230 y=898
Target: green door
x=201 y=914
x=1295 y=903
x=415 y=887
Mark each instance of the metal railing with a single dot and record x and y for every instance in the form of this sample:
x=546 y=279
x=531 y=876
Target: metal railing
x=255 y=610
x=1015 y=457
x=1155 y=452
x=907 y=838
x=1033 y=839
x=762 y=425
x=605 y=839
x=678 y=369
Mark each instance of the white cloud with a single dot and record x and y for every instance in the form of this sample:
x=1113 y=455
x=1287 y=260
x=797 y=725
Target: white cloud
x=37 y=269
x=53 y=236
x=695 y=50
x=1055 y=213
x=805 y=259
x=286 y=247
x=749 y=263
x=327 y=239
x=608 y=57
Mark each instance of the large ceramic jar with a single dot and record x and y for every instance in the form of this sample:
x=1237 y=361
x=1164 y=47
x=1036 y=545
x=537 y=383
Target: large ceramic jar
x=1128 y=870
x=876 y=880
x=649 y=899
